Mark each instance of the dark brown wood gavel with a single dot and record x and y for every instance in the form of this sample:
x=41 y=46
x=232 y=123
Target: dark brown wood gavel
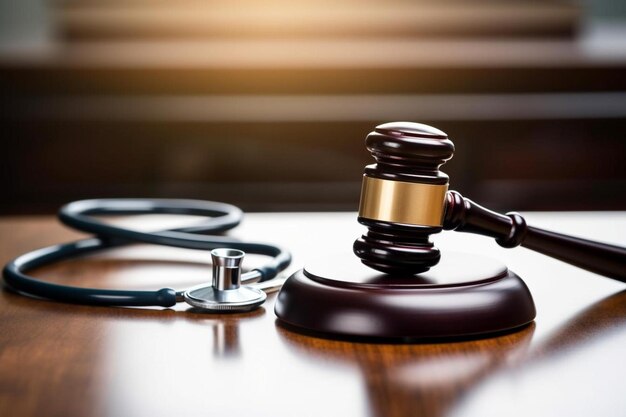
x=405 y=199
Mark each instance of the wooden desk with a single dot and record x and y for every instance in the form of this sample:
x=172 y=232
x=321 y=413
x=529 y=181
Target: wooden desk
x=67 y=360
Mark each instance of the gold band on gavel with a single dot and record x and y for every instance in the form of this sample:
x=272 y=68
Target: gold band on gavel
x=402 y=202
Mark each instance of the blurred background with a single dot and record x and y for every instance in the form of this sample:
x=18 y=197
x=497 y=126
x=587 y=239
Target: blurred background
x=265 y=104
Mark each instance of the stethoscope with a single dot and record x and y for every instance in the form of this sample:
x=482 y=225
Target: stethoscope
x=230 y=289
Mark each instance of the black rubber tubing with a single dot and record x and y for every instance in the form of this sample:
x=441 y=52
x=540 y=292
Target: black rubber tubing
x=220 y=218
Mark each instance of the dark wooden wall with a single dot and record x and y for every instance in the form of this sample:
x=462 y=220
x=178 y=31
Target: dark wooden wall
x=525 y=165
x=277 y=122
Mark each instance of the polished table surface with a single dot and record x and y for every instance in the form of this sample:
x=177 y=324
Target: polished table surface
x=69 y=360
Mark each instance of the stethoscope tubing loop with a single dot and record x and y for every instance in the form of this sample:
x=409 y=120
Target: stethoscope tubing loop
x=79 y=215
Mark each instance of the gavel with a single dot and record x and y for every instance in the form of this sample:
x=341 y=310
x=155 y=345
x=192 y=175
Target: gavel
x=405 y=199
x=399 y=286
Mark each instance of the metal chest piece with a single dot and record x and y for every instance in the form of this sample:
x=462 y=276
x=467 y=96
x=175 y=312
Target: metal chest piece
x=226 y=293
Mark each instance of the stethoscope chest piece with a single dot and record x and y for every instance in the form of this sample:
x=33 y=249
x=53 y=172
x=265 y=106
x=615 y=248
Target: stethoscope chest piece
x=226 y=292
x=240 y=299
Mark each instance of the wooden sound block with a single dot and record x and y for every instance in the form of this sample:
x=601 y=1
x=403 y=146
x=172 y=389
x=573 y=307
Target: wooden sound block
x=464 y=295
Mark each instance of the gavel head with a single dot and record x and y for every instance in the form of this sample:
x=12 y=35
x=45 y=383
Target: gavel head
x=403 y=197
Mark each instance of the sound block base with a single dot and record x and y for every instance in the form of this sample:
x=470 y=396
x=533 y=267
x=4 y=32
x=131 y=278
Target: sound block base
x=462 y=296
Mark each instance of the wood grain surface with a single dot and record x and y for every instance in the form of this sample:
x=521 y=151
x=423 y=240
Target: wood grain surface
x=69 y=360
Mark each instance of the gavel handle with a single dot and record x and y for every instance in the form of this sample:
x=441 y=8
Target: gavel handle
x=511 y=230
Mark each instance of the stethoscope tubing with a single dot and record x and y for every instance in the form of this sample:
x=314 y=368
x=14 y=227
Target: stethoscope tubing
x=78 y=214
